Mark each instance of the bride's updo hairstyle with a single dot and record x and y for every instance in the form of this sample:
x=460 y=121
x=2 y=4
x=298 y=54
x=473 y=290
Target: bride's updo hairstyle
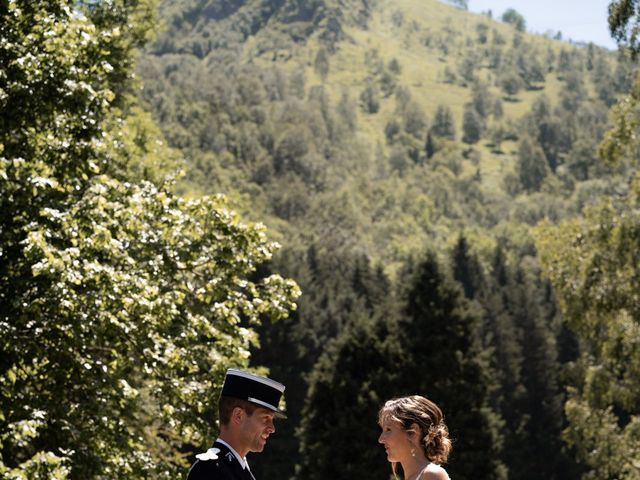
x=415 y=409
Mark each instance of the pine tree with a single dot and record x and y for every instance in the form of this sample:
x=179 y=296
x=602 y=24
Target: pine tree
x=466 y=268
x=430 y=146
x=292 y=349
x=351 y=380
x=518 y=329
x=443 y=123
x=472 y=124
x=536 y=406
x=443 y=361
x=321 y=64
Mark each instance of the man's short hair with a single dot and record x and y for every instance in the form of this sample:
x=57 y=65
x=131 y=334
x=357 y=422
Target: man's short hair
x=227 y=404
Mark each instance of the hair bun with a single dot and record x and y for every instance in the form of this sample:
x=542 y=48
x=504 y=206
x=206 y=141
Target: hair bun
x=437 y=443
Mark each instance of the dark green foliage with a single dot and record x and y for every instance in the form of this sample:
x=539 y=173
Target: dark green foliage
x=369 y=100
x=347 y=386
x=391 y=131
x=532 y=165
x=466 y=268
x=473 y=125
x=514 y=18
x=604 y=81
x=511 y=83
x=430 y=146
x=439 y=334
x=353 y=291
x=624 y=19
x=321 y=63
x=483 y=33
x=546 y=128
x=529 y=67
x=414 y=121
x=462 y=4
x=394 y=66
x=573 y=93
x=519 y=328
x=481 y=99
x=399 y=161
x=593 y=262
x=443 y=123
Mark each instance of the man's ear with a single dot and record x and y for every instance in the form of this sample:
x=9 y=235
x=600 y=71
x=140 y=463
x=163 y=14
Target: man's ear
x=237 y=415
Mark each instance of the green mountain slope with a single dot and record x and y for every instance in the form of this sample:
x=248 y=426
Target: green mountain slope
x=330 y=82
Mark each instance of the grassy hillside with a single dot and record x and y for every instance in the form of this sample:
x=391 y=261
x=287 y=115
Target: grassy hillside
x=315 y=117
x=426 y=38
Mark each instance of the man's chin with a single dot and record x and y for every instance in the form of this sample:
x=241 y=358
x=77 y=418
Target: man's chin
x=258 y=447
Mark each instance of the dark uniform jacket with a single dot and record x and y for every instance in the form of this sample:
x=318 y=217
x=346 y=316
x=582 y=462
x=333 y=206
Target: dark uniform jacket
x=218 y=465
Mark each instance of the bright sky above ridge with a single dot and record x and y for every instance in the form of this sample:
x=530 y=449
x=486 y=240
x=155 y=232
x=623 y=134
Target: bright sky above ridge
x=579 y=20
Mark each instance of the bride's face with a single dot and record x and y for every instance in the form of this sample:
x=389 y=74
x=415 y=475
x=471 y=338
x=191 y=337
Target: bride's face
x=395 y=440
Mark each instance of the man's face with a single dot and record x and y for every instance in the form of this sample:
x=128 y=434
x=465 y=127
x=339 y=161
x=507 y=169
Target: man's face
x=256 y=429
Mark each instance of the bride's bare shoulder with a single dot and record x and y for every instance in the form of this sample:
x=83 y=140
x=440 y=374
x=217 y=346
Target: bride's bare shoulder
x=435 y=472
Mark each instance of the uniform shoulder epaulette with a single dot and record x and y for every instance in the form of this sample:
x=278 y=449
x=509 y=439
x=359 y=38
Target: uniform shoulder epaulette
x=211 y=454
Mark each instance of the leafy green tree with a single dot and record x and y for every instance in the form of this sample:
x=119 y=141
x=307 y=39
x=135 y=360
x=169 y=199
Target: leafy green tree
x=391 y=131
x=511 y=82
x=121 y=302
x=574 y=92
x=532 y=165
x=514 y=18
x=461 y=4
x=529 y=67
x=394 y=66
x=472 y=125
x=399 y=161
x=482 y=31
x=481 y=98
x=582 y=159
x=369 y=99
x=593 y=262
x=543 y=125
x=414 y=120
x=604 y=80
x=624 y=23
x=321 y=63
x=443 y=123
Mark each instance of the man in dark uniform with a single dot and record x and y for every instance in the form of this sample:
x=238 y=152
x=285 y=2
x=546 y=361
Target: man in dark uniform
x=247 y=407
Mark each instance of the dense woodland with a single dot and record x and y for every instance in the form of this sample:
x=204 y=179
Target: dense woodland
x=365 y=199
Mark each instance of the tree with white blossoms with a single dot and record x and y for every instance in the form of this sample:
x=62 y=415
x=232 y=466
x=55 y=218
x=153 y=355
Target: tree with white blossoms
x=121 y=304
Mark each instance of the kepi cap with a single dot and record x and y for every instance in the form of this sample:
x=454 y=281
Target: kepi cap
x=254 y=388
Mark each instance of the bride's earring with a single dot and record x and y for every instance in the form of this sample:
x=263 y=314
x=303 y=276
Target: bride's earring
x=413 y=452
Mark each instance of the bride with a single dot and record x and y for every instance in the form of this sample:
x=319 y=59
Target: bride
x=414 y=435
